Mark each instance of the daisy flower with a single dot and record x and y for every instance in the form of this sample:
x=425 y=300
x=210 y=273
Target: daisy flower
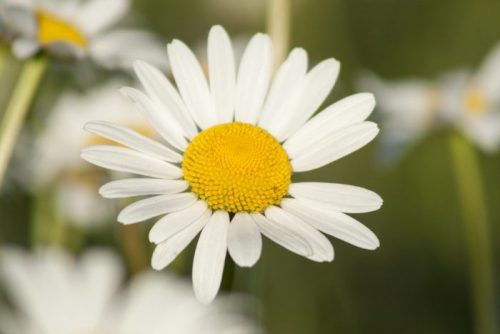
x=233 y=144
x=79 y=29
x=54 y=159
x=408 y=110
x=55 y=294
x=471 y=102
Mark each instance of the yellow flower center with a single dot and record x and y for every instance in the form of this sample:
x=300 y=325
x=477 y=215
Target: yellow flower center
x=237 y=167
x=52 y=29
x=475 y=102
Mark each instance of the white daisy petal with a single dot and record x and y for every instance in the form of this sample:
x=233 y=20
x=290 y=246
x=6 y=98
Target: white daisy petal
x=155 y=206
x=346 y=112
x=160 y=121
x=166 y=251
x=173 y=223
x=159 y=88
x=488 y=76
x=192 y=84
x=209 y=257
x=132 y=139
x=333 y=223
x=24 y=47
x=283 y=234
x=253 y=79
x=222 y=73
x=126 y=160
x=315 y=88
x=142 y=187
x=321 y=246
x=244 y=240
x=335 y=146
x=338 y=197
x=283 y=92
x=97 y=15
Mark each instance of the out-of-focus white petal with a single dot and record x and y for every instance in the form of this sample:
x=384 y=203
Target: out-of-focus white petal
x=253 y=79
x=97 y=15
x=209 y=257
x=244 y=240
x=488 y=76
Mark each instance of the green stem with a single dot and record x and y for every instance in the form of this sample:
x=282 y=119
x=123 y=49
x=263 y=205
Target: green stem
x=278 y=25
x=17 y=108
x=477 y=232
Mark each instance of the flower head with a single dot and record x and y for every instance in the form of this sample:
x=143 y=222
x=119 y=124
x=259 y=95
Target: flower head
x=56 y=294
x=78 y=29
x=233 y=144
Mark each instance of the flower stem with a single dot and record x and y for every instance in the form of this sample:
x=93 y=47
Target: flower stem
x=17 y=108
x=278 y=26
x=477 y=232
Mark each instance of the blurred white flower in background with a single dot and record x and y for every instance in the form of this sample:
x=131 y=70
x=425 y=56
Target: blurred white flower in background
x=53 y=293
x=79 y=29
x=55 y=157
x=409 y=109
x=233 y=144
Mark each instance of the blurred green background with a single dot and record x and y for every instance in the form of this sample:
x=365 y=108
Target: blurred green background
x=417 y=281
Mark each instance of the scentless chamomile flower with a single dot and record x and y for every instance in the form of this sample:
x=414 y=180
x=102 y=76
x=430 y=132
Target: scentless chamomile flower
x=410 y=109
x=78 y=29
x=54 y=293
x=233 y=144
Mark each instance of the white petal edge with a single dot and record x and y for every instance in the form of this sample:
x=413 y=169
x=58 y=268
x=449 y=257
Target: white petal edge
x=192 y=84
x=252 y=83
x=320 y=245
x=129 y=161
x=316 y=87
x=338 y=197
x=346 y=112
x=141 y=187
x=155 y=206
x=284 y=235
x=159 y=89
x=209 y=257
x=161 y=121
x=335 y=146
x=283 y=92
x=244 y=240
x=333 y=223
x=132 y=139
x=222 y=73
x=97 y=15
x=173 y=223
x=166 y=251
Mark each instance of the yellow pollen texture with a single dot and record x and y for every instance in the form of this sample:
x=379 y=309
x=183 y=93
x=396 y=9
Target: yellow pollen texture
x=237 y=167
x=52 y=29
